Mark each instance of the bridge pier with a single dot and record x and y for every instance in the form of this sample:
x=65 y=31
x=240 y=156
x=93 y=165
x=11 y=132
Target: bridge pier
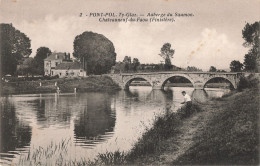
x=198 y=86
x=157 y=87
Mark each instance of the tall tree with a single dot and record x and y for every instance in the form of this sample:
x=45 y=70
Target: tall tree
x=250 y=60
x=212 y=69
x=236 y=66
x=167 y=54
x=127 y=63
x=251 y=35
x=136 y=63
x=41 y=54
x=127 y=59
x=14 y=46
x=95 y=51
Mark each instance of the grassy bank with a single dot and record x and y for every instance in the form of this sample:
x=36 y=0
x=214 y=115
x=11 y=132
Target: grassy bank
x=232 y=134
x=92 y=83
x=226 y=132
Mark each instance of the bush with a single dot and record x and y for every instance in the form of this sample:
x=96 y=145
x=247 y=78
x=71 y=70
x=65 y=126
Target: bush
x=243 y=84
x=50 y=77
x=111 y=158
x=248 y=82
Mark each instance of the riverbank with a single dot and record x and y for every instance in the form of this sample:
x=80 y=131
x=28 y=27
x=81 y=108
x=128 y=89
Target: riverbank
x=221 y=131
x=228 y=132
x=92 y=83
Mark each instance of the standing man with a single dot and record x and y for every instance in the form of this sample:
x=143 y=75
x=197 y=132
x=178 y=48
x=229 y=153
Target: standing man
x=187 y=103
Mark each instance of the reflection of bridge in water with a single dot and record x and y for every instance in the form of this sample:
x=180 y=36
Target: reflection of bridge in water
x=159 y=79
x=169 y=96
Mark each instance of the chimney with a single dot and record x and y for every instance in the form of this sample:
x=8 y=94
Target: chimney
x=56 y=56
x=68 y=56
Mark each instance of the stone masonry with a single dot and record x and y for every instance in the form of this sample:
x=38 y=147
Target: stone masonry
x=158 y=79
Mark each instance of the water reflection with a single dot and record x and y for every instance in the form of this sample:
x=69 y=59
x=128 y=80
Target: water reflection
x=15 y=133
x=51 y=110
x=96 y=120
x=215 y=92
x=99 y=121
x=200 y=95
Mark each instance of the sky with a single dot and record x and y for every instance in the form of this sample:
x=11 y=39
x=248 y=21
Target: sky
x=211 y=37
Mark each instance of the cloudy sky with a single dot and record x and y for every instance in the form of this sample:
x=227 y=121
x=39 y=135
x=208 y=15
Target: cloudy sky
x=211 y=37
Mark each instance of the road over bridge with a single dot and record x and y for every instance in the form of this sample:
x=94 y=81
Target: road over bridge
x=159 y=79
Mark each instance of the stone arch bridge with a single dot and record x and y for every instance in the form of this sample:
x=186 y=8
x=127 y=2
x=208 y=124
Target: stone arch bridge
x=158 y=79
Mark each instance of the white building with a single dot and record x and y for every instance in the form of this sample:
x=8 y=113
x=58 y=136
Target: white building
x=69 y=69
x=53 y=60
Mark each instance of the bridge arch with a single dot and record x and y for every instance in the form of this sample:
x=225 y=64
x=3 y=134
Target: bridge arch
x=232 y=83
x=176 y=75
x=129 y=80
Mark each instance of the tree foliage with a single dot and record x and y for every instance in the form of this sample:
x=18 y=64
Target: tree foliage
x=236 y=66
x=167 y=54
x=212 y=69
x=250 y=61
x=251 y=35
x=127 y=59
x=127 y=63
x=41 y=54
x=14 y=46
x=223 y=71
x=193 y=68
x=28 y=67
x=96 y=51
x=136 y=63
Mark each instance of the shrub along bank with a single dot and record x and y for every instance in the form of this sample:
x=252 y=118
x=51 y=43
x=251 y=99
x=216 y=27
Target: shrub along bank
x=231 y=135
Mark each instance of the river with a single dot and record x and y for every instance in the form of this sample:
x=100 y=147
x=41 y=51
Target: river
x=89 y=123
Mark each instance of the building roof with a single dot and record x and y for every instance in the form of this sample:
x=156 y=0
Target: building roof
x=69 y=65
x=56 y=55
